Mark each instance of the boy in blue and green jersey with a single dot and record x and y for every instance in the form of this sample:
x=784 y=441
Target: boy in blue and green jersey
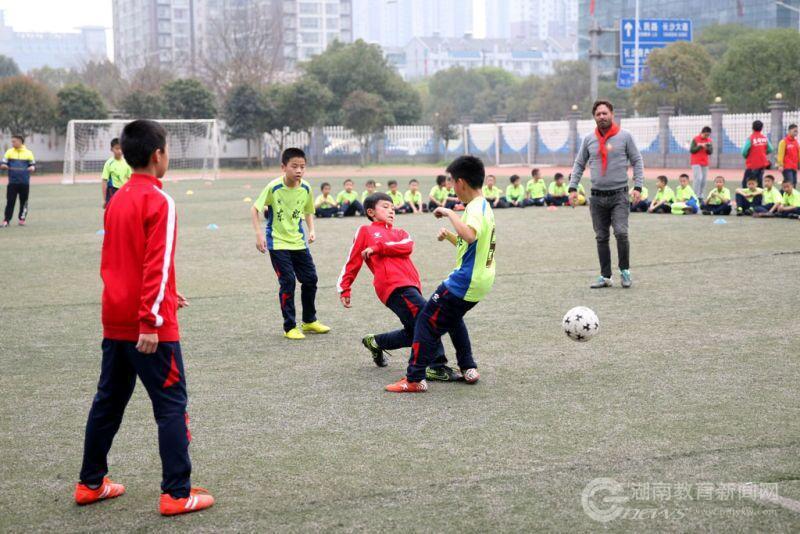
x=413 y=198
x=116 y=172
x=790 y=201
x=749 y=198
x=718 y=201
x=19 y=163
x=438 y=194
x=348 y=201
x=493 y=194
x=686 y=202
x=535 y=190
x=665 y=196
x=397 y=197
x=770 y=198
x=643 y=203
x=557 y=194
x=288 y=200
x=515 y=193
x=467 y=285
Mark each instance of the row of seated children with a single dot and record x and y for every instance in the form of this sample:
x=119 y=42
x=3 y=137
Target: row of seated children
x=751 y=200
x=535 y=193
x=348 y=203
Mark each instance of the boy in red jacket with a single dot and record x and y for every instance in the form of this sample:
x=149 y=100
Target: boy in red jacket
x=140 y=328
x=387 y=252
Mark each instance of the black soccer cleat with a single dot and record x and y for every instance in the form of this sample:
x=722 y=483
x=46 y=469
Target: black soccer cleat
x=443 y=374
x=378 y=356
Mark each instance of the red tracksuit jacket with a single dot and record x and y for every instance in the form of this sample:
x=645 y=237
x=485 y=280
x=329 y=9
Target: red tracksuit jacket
x=391 y=263
x=137 y=265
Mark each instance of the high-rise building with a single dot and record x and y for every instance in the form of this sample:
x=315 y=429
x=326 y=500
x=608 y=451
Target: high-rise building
x=761 y=14
x=393 y=23
x=176 y=34
x=32 y=50
x=531 y=19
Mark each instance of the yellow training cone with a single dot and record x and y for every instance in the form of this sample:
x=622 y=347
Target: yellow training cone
x=190 y=192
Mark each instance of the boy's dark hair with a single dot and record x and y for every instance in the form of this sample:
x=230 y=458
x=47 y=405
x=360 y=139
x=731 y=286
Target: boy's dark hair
x=758 y=126
x=534 y=172
x=752 y=179
x=140 y=139
x=290 y=153
x=769 y=177
x=323 y=185
x=390 y=183
x=468 y=168
x=792 y=126
x=347 y=180
x=413 y=181
x=370 y=182
x=663 y=179
x=440 y=180
x=683 y=175
x=514 y=178
x=114 y=142
x=371 y=201
x=20 y=137
x=599 y=103
x=722 y=178
x=706 y=129
x=558 y=175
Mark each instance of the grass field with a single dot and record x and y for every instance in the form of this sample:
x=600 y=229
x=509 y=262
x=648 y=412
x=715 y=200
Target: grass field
x=693 y=380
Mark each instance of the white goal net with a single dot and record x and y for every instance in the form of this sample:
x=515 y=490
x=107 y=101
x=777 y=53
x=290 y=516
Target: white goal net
x=193 y=148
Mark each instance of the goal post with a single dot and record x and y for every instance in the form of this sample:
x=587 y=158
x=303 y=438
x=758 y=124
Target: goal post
x=194 y=147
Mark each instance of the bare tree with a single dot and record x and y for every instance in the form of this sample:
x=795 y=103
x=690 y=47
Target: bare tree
x=243 y=46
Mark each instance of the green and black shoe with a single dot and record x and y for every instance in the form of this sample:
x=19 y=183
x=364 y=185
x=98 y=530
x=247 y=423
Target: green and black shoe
x=378 y=356
x=443 y=374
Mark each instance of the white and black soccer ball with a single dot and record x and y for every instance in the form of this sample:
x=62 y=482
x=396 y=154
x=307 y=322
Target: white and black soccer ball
x=580 y=324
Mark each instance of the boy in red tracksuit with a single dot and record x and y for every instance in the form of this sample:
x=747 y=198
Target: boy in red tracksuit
x=140 y=328
x=387 y=252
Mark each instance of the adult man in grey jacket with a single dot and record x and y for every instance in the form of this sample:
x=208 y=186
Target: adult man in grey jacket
x=608 y=151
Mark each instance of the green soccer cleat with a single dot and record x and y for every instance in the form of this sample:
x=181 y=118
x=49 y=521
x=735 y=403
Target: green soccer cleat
x=378 y=356
x=443 y=374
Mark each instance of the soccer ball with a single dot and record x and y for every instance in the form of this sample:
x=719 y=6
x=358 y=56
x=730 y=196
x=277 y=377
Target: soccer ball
x=580 y=324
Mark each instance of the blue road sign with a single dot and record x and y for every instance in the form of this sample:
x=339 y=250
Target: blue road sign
x=626 y=78
x=653 y=33
x=627 y=53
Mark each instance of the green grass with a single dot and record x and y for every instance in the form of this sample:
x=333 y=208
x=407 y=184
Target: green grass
x=692 y=379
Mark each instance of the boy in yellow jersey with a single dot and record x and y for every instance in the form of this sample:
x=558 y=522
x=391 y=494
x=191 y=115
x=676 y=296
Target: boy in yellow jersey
x=665 y=196
x=349 y=205
x=493 y=194
x=790 y=202
x=770 y=199
x=643 y=203
x=438 y=194
x=686 y=202
x=718 y=201
x=535 y=190
x=749 y=198
x=325 y=205
x=288 y=200
x=515 y=193
x=452 y=198
x=413 y=198
x=116 y=172
x=468 y=284
x=397 y=197
x=370 y=188
x=20 y=163
x=557 y=194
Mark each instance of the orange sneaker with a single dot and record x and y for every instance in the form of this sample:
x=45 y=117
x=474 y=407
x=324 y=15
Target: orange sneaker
x=404 y=386
x=198 y=499
x=107 y=490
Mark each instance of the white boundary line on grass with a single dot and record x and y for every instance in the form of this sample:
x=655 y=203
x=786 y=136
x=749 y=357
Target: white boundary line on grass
x=783 y=502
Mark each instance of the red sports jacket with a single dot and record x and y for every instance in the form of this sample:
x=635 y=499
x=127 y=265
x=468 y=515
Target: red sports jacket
x=390 y=264
x=757 y=157
x=137 y=265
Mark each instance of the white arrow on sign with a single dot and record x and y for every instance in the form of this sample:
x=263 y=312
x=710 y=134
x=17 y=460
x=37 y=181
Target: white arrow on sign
x=628 y=29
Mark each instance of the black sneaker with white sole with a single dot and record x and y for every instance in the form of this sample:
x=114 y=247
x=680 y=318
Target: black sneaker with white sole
x=378 y=355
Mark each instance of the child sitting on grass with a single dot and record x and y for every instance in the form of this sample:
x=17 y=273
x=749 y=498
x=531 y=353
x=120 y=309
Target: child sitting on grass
x=535 y=190
x=348 y=201
x=686 y=202
x=665 y=196
x=438 y=195
x=397 y=197
x=790 y=202
x=770 y=199
x=453 y=202
x=748 y=198
x=413 y=198
x=370 y=188
x=493 y=194
x=515 y=193
x=557 y=194
x=326 y=206
x=718 y=201
x=643 y=203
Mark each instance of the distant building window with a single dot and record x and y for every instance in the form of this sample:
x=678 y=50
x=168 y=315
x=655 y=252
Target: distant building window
x=332 y=24
x=307 y=8
x=309 y=37
x=332 y=9
x=309 y=23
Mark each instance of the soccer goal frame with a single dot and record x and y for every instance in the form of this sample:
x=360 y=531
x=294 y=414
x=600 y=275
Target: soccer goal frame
x=194 y=148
